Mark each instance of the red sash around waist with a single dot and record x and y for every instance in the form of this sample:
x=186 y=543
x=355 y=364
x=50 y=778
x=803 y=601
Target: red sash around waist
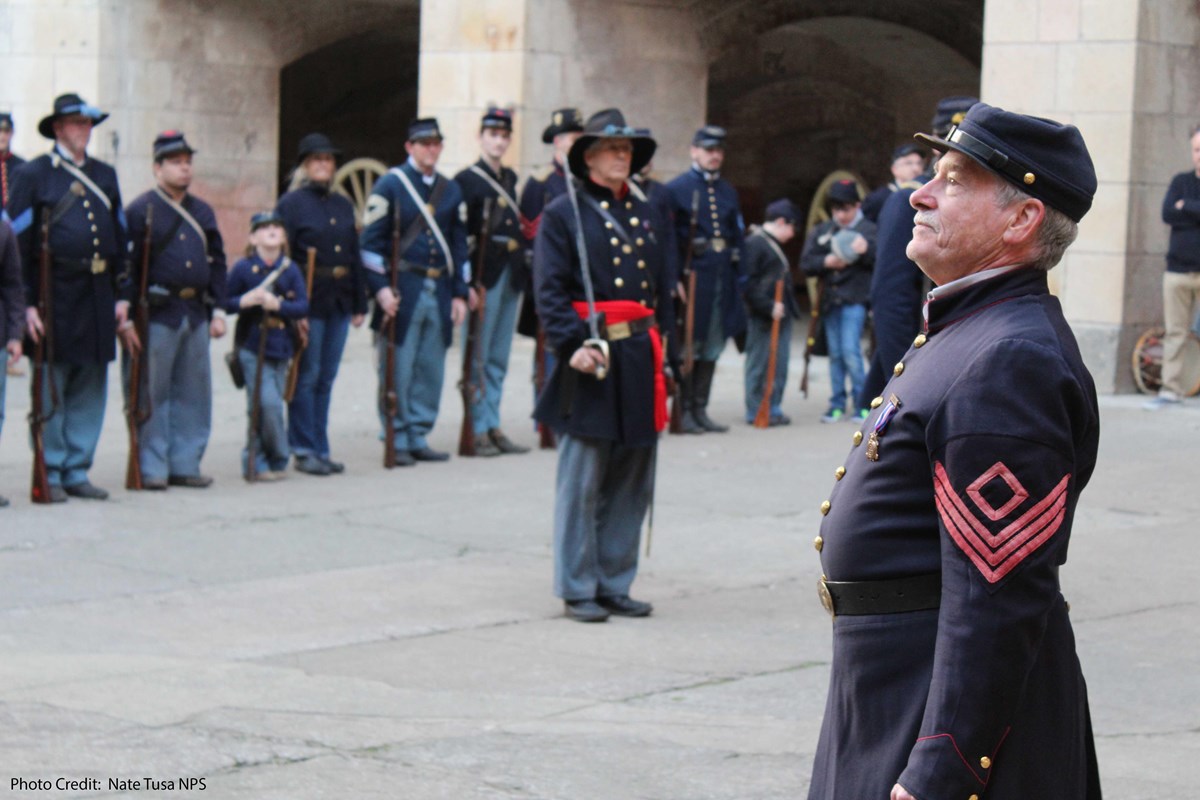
x=618 y=311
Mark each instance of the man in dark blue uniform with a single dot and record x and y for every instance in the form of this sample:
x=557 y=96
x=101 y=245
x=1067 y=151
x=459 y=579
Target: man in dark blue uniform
x=702 y=193
x=12 y=310
x=954 y=673
x=606 y=398
x=316 y=217
x=432 y=284
x=185 y=290
x=897 y=285
x=9 y=161
x=566 y=124
x=908 y=161
x=505 y=272
x=80 y=199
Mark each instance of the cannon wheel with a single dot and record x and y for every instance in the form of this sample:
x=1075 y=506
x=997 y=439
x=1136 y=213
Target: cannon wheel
x=354 y=180
x=1147 y=362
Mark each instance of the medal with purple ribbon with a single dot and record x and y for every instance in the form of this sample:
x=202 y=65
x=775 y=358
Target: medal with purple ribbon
x=881 y=423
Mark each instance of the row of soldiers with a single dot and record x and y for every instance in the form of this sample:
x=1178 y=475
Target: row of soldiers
x=430 y=252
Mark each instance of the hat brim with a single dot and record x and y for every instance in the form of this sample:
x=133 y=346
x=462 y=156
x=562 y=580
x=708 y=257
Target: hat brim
x=554 y=130
x=643 y=151
x=173 y=151
x=318 y=151
x=46 y=126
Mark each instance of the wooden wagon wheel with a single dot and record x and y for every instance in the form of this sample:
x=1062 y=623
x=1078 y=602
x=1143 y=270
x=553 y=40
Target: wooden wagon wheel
x=1147 y=362
x=354 y=180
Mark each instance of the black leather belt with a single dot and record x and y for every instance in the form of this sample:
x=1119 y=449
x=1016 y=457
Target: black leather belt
x=335 y=273
x=96 y=266
x=894 y=596
x=623 y=330
x=164 y=291
x=429 y=272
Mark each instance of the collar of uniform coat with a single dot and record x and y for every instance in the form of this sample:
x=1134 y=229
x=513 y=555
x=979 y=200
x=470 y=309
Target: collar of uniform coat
x=708 y=177
x=955 y=301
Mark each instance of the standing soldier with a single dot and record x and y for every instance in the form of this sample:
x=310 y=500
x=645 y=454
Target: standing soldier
x=9 y=161
x=321 y=219
x=566 y=125
x=504 y=271
x=78 y=197
x=432 y=285
x=709 y=221
x=603 y=310
x=12 y=305
x=186 y=287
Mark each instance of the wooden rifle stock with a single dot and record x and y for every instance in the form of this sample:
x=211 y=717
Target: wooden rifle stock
x=471 y=384
x=294 y=369
x=763 y=418
x=391 y=401
x=546 y=440
x=43 y=377
x=135 y=414
x=689 y=325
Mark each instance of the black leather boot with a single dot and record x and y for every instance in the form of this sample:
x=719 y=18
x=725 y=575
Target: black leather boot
x=702 y=376
x=687 y=397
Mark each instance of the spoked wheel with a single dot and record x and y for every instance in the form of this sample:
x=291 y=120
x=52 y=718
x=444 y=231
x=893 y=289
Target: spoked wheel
x=1148 y=358
x=355 y=178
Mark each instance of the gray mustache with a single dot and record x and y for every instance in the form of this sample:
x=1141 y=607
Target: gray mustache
x=926 y=218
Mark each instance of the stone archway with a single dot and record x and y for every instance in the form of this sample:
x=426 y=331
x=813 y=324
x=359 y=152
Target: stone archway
x=825 y=87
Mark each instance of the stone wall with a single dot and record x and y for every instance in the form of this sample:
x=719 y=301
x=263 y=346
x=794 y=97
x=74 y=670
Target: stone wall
x=1125 y=73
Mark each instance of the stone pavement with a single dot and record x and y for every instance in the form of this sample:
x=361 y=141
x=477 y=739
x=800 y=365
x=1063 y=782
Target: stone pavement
x=392 y=634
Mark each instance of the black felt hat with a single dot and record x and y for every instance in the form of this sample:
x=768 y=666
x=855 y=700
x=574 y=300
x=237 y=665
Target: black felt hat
x=1046 y=159
x=564 y=120
x=782 y=209
x=843 y=192
x=907 y=149
x=610 y=124
x=950 y=111
x=169 y=143
x=499 y=119
x=65 y=105
x=6 y=121
x=709 y=136
x=314 y=144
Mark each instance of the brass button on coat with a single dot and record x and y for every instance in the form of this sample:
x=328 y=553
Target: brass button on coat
x=633 y=221
x=614 y=241
x=920 y=340
x=877 y=402
x=857 y=438
x=818 y=543
x=604 y=204
x=985 y=762
x=898 y=369
x=825 y=507
x=619 y=282
x=839 y=473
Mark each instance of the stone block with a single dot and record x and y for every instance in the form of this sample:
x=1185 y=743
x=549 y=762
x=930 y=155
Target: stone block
x=1153 y=95
x=494 y=77
x=1059 y=20
x=1093 y=286
x=483 y=25
x=80 y=74
x=1016 y=76
x=1148 y=234
x=1009 y=21
x=1096 y=77
x=30 y=81
x=442 y=77
x=1109 y=139
x=1100 y=346
x=1104 y=229
x=1168 y=23
x=1184 y=83
x=1102 y=20
x=56 y=29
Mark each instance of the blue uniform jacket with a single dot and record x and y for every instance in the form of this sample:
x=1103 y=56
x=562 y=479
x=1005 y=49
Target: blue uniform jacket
x=12 y=291
x=8 y=166
x=718 y=216
x=185 y=260
x=987 y=435
x=425 y=252
x=90 y=232
x=897 y=284
x=246 y=275
x=315 y=217
x=506 y=245
x=619 y=408
x=539 y=190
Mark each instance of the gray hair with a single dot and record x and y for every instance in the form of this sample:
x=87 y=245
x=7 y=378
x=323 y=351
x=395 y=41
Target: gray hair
x=1055 y=235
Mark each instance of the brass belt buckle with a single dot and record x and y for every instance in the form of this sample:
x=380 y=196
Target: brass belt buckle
x=432 y=273
x=513 y=245
x=187 y=293
x=718 y=245
x=99 y=265
x=340 y=272
x=826 y=597
x=619 y=330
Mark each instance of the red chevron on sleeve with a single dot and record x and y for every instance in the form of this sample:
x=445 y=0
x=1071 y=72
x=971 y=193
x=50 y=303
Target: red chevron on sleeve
x=997 y=554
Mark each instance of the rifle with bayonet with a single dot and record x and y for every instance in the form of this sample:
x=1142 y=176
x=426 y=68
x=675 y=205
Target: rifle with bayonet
x=471 y=385
x=546 y=439
x=43 y=375
x=137 y=410
x=391 y=400
x=256 y=398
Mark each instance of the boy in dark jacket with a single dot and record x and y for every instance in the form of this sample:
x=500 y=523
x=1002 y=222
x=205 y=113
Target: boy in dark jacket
x=841 y=253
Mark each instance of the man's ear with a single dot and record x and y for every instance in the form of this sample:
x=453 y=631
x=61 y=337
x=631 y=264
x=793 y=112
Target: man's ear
x=1026 y=218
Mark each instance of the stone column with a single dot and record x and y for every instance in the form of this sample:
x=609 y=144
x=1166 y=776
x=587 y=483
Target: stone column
x=1125 y=74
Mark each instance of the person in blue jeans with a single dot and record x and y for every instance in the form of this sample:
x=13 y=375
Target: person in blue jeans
x=266 y=290
x=324 y=220
x=841 y=254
